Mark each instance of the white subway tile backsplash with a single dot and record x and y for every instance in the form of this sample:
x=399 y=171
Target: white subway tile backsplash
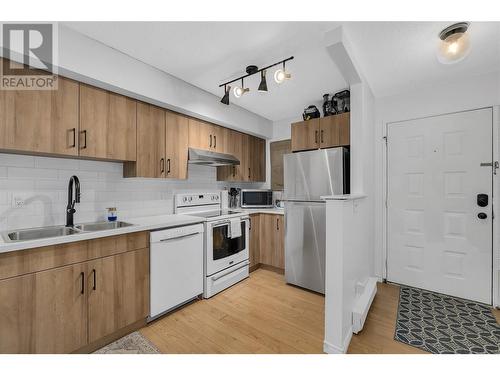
x=43 y=182
x=17 y=160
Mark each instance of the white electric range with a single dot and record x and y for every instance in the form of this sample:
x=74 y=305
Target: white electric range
x=226 y=240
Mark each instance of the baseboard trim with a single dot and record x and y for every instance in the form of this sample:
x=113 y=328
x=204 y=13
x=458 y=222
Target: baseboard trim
x=334 y=349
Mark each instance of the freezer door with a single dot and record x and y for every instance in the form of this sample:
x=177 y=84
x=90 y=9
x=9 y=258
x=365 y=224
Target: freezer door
x=312 y=174
x=305 y=239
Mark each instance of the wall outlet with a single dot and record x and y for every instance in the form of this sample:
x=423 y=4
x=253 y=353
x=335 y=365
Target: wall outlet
x=18 y=202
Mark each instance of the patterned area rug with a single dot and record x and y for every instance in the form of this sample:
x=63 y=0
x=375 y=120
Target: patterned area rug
x=134 y=343
x=445 y=325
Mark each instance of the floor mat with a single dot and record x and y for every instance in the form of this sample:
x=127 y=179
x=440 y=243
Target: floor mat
x=442 y=324
x=134 y=343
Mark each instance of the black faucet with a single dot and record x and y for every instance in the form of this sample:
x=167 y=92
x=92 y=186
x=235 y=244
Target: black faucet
x=70 y=209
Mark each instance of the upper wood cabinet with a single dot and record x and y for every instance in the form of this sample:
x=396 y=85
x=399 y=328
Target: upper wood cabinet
x=324 y=132
x=107 y=124
x=334 y=130
x=305 y=135
x=40 y=121
x=251 y=152
x=205 y=136
x=150 y=143
x=278 y=150
x=162 y=144
x=177 y=140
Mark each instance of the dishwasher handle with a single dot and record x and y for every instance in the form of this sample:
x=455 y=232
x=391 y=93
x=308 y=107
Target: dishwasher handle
x=179 y=237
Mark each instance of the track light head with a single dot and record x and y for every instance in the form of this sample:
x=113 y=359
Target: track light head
x=225 y=97
x=240 y=90
x=281 y=75
x=263 y=82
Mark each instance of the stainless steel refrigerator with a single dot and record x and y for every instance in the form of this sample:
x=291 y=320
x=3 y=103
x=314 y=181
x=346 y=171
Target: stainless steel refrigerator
x=308 y=176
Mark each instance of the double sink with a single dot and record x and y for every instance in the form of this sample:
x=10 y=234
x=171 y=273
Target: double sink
x=61 y=231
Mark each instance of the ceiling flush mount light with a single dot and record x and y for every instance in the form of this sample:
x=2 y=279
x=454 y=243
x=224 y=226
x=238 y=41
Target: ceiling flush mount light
x=225 y=98
x=263 y=82
x=454 y=44
x=240 y=90
x=280 y=76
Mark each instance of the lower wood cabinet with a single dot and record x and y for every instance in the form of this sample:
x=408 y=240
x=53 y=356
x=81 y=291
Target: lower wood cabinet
x=267 y=240
x=65 y=309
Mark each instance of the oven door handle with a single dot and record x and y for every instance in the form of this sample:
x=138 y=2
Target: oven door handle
x=230 y=271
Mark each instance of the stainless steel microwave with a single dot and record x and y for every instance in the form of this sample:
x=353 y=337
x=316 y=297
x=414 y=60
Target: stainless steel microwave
x=256 y=198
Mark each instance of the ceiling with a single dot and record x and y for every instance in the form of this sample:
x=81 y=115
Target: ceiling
x=394 y=56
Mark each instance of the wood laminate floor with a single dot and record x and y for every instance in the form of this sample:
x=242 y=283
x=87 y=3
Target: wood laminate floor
x=265 y=315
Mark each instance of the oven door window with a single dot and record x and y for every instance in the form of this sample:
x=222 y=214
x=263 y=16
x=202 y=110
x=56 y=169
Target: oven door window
x=223 y=246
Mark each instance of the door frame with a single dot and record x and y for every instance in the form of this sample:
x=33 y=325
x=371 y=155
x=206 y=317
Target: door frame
x=495 y=201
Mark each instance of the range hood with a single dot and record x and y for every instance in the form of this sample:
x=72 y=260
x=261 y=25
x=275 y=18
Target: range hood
x=210 y=158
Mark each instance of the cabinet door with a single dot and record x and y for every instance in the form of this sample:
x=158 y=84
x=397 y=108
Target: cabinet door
x=107 y=125
x=44 y=312
x=277 y=150
x=177 y=135
x=237 y=144
x=150 y=143
x=200 y=135
x=257 y=159
x=118 y=292
x=219 y=135
x=334 y=130
x=272 y=240
x=305 y=135
x=254 y=240
x=43 y=121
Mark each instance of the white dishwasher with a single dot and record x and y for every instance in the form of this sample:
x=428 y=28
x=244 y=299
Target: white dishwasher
x=176 y=267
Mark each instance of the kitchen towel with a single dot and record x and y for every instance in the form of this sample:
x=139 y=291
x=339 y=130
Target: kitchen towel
x=235 y=228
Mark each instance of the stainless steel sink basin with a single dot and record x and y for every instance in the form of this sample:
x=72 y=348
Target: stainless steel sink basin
x=105 y=225
x=38 y=233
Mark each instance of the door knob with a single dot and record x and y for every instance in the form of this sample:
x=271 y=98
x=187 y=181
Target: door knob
x=482 y=215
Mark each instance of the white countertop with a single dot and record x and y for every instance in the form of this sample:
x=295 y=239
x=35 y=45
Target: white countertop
x=140 y=224
x=275 y=211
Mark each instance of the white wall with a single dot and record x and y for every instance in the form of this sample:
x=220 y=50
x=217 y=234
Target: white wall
x=468 y=93
x=43 y=182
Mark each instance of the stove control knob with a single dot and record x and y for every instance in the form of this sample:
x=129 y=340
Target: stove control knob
x=190 y=199
x=184 y=199
x=216 y=197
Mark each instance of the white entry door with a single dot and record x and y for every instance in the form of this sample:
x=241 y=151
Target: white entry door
x=439 y=236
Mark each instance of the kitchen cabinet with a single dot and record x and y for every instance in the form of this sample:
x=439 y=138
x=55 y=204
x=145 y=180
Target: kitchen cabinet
x=272 y=240
x=267 y=241
x=251 y=152
x=324 y=132
x=334 y=130
x=44 y=312
x=205 y=136
x=177 y=140
x=162 y=144
x=40 y=121
x=118 y=292
x=254 y=254
x=150 y=143
x=305 y=135
x=107 y=125
x=278 y=150
x=50 y=304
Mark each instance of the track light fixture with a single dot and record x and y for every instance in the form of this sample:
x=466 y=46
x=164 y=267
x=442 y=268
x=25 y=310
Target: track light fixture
x=279 y=76
x=225 y=98
x=240 y=90
x=263 y=82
